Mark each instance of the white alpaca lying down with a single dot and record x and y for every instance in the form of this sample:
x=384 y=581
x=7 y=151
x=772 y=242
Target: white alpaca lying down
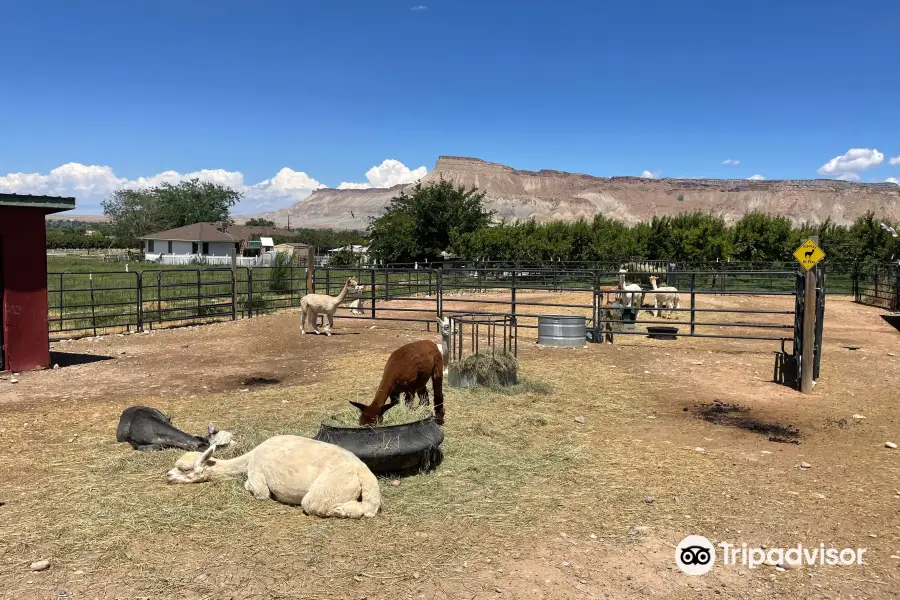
x=324 y=479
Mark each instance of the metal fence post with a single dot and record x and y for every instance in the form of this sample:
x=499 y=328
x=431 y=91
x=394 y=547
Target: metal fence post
x=199 y=302
x=855 y=280
x=249 y=292
x=512 y=289
x=139 y=278
x=93 y=305
x=60 y=302
x=693 y=302
x=372 y=289
x=328 y=281
x=439 y=292
x=820 y=320
x=158 y=297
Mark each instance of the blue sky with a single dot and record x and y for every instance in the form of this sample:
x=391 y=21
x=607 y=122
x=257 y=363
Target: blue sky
x=99 y=94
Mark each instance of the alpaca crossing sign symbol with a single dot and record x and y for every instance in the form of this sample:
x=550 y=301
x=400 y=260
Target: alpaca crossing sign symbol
x=809 y=254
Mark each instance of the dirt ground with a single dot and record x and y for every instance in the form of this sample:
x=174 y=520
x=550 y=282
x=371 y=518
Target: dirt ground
x=679 y=437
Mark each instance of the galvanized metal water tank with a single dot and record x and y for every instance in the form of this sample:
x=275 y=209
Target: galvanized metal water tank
x=562 y=330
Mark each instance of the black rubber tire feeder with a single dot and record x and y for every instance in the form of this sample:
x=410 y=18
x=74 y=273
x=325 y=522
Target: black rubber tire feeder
x=392 y=449
x=662 y=332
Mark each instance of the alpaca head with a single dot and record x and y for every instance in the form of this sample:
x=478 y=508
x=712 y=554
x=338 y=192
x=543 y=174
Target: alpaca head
x=444 y=326
x=352 y=283
x=192 y=467
x=370 y=415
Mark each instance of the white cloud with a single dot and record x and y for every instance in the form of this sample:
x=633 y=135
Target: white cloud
x=847 y=167
x=651 y=174
x=90 y=184
x=848 y=177
x=892 y=180
x=388 y=174
x=731 y=161
x=756 y=177
x=418 y=8
x=895 y=160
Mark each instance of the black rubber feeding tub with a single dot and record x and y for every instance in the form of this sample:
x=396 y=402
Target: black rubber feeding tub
x=391 y=449
x=662 y=332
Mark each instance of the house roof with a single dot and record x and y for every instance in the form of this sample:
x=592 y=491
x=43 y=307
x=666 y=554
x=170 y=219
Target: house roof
x=208 y=232
x=49 y=204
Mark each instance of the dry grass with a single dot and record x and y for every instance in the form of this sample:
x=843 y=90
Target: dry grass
x=92 y=502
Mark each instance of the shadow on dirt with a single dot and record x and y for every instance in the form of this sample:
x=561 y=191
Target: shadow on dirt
x=259 y=381
x=892 y=320
x=735 y=415
x=70 y=359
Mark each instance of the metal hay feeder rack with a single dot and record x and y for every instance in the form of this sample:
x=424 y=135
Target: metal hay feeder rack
x=482 y=330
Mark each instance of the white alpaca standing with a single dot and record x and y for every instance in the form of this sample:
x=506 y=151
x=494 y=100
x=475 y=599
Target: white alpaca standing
x=324 y=479
x=355 y=307
x=635 y=288
x=322 y=303
x=445 y=329
x=666 y=296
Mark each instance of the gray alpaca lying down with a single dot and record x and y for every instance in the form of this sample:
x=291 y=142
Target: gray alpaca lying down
x=149 y=429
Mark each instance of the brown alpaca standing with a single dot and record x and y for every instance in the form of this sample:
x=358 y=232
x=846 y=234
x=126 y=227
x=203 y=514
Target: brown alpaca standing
x=407 y=371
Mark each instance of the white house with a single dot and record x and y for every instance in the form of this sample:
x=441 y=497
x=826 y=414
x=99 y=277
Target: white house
x=211 y=243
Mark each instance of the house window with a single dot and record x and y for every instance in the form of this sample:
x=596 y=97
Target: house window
x=194 y=247
x=170 y=246
x=149 y=245
x=205 y=247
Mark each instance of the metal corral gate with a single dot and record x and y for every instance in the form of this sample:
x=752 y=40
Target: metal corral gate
x=878 y=285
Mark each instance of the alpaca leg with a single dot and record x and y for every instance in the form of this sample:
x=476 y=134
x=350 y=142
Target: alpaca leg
x=437 y=381
x=256 y=485
x=408 y=399
x=423 y=396
x=330 y=323
x=303 y=315
x=314 y=317
x=334 y=493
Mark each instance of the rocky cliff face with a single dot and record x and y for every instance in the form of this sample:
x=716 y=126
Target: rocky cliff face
x=548 y=195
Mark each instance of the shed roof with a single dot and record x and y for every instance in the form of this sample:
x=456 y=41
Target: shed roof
x=49 y=204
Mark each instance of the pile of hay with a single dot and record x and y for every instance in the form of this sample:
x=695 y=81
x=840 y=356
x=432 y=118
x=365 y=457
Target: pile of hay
x=399 y=415
x=491 y=367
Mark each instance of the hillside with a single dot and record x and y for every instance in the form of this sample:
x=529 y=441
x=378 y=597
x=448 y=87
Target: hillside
x=547 y=195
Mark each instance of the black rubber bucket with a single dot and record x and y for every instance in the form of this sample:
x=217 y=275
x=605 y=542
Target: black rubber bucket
x=660 y=332
x=392 y=449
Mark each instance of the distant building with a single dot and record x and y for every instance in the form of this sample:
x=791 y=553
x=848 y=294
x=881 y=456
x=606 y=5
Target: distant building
x=210 y=242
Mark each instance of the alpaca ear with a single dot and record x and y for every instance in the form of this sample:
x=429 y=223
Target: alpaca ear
x=361 y=407
x=387 y=407
x=204 y=458
x=211 y=429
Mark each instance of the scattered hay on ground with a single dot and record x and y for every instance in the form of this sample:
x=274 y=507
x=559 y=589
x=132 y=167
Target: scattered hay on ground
x=398 y=415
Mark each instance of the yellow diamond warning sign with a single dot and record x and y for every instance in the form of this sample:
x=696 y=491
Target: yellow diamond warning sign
x=809 y=254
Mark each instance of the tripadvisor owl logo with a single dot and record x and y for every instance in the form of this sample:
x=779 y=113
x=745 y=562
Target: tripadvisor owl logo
x=695 y=555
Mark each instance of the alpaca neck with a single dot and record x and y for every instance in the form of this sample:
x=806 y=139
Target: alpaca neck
x=653 y=283
x=229 y=468
x=445 y=349
x=621 y=280
x=340 y=297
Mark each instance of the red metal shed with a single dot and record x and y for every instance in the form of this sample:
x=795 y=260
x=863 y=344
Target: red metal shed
x=24 y=333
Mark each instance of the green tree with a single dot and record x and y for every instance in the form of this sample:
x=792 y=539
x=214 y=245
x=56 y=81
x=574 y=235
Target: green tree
x=260 y=223
x=420 y=225
x=760 y=237
x=133 y=213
